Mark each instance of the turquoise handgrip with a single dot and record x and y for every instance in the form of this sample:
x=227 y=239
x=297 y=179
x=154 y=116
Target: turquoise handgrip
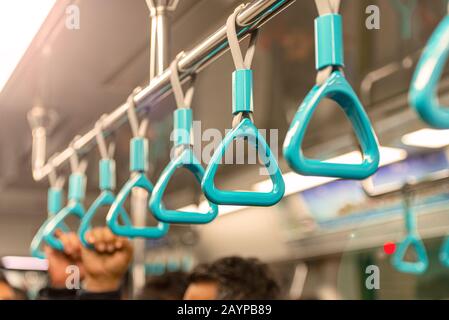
x=138 y=157
x=74 y=208
x=444 y=253
x=139 y=180
x=423 y=90
x=329 y=41
x=242 y=91
x=182 y=119
x=417 y=267
x=107 y=174
x=77 y=186
x=338 y=89
x=105 y=199
x=245 y=129
x=54 y=200
x=188 y=161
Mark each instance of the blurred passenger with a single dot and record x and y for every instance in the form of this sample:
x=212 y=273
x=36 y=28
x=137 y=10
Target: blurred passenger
x=169 y=286
x=101 y=268
x=232 y=278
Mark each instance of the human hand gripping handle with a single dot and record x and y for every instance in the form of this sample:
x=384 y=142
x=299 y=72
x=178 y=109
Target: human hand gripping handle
x=106 y=260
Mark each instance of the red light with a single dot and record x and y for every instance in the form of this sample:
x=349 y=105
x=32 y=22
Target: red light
x=389 y=247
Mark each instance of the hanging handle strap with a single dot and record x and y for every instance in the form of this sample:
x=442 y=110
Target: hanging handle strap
x=55 y=192
x=412 y=239
x=54 y=205
x=328 y=39
x=184 y=158
x=331 y=84
x=242 y=78
x=107 y=185
x=237 y=55
x=182 y=117
x=138 y=157
x=138 y=166
x=107 y=177
x=77 y=180
x=77 y=191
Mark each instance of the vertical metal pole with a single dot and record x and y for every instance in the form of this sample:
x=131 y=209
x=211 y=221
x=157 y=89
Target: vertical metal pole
x=159 y=59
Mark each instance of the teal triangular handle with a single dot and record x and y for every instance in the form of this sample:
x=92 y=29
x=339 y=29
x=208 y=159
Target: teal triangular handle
x=337 y=88
x=188 y=161
x=38 y=239
x=105 y=199
x=54 y=205
x=139 y=180
x=244 y=198
x=417 y=267
x=423 y=89
x=444 y=253
x=74 y=208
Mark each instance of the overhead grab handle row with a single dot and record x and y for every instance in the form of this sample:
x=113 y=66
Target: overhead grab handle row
x=331 y=83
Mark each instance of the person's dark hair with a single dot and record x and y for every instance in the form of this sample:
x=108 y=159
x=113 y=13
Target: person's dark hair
x=169 y=286
x=238 y=279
